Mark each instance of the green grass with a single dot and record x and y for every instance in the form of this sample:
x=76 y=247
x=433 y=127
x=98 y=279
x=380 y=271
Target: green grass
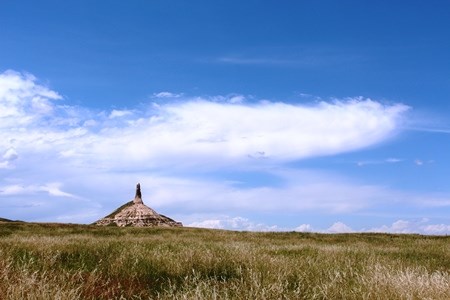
x=62 y=261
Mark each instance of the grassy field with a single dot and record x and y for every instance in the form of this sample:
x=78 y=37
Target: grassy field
x=55 y=261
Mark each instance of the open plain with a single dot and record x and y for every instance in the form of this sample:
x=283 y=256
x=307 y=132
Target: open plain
x=62 y=261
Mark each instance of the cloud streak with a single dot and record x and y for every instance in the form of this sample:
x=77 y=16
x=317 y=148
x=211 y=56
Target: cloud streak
x=52 y=189
x=194 y=130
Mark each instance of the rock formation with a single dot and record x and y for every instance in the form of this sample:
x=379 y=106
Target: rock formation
x=135 y=213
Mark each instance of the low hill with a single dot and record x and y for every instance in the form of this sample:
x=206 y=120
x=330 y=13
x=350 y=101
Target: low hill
x=5 y=220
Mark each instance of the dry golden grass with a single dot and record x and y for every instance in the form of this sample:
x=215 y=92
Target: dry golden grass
x=54 y=261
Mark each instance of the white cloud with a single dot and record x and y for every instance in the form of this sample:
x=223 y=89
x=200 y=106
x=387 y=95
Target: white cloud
x=166 y=95
x=10 y=154
x=22 y=100
x=437 y=229
x=52 y=189
x=400 y=226
x=305 y=95
x=421 y=226
x=233 y=223
x=195 y=131
x=12 y=190
x=4 y=165
x=304 y=228
x=339 y=227
x=217 y=131
x=237 y=99
x=379 y=162
x=264 y=61
x=231 y=98
x=393 y=160
x=119 y=113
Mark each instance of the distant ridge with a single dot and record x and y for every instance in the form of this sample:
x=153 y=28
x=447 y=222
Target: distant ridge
x=136 y=214
x=8 y=220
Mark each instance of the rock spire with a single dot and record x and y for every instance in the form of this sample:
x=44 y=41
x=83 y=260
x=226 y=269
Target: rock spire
x=138 y=197
x=135 y=213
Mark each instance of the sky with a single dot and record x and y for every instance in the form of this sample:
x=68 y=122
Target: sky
x=320 y=116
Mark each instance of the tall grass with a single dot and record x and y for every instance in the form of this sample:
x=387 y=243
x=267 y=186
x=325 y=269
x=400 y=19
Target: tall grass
x=51 y=261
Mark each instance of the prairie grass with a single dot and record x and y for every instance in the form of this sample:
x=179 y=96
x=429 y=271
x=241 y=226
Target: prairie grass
x=56 y=261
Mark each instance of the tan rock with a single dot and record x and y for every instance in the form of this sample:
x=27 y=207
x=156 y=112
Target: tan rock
x=135 y=213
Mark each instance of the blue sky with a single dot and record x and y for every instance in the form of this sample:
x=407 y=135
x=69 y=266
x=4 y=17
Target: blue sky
x=328 y=116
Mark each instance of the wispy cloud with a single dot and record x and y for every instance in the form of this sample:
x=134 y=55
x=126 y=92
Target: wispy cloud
x=430 y=122
x=379 y=162
x=261 y=61
x=166 y=95
x=119 y=113
x=52 y=189
x=297 y=58
x=421 y=162
x=430 y=129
